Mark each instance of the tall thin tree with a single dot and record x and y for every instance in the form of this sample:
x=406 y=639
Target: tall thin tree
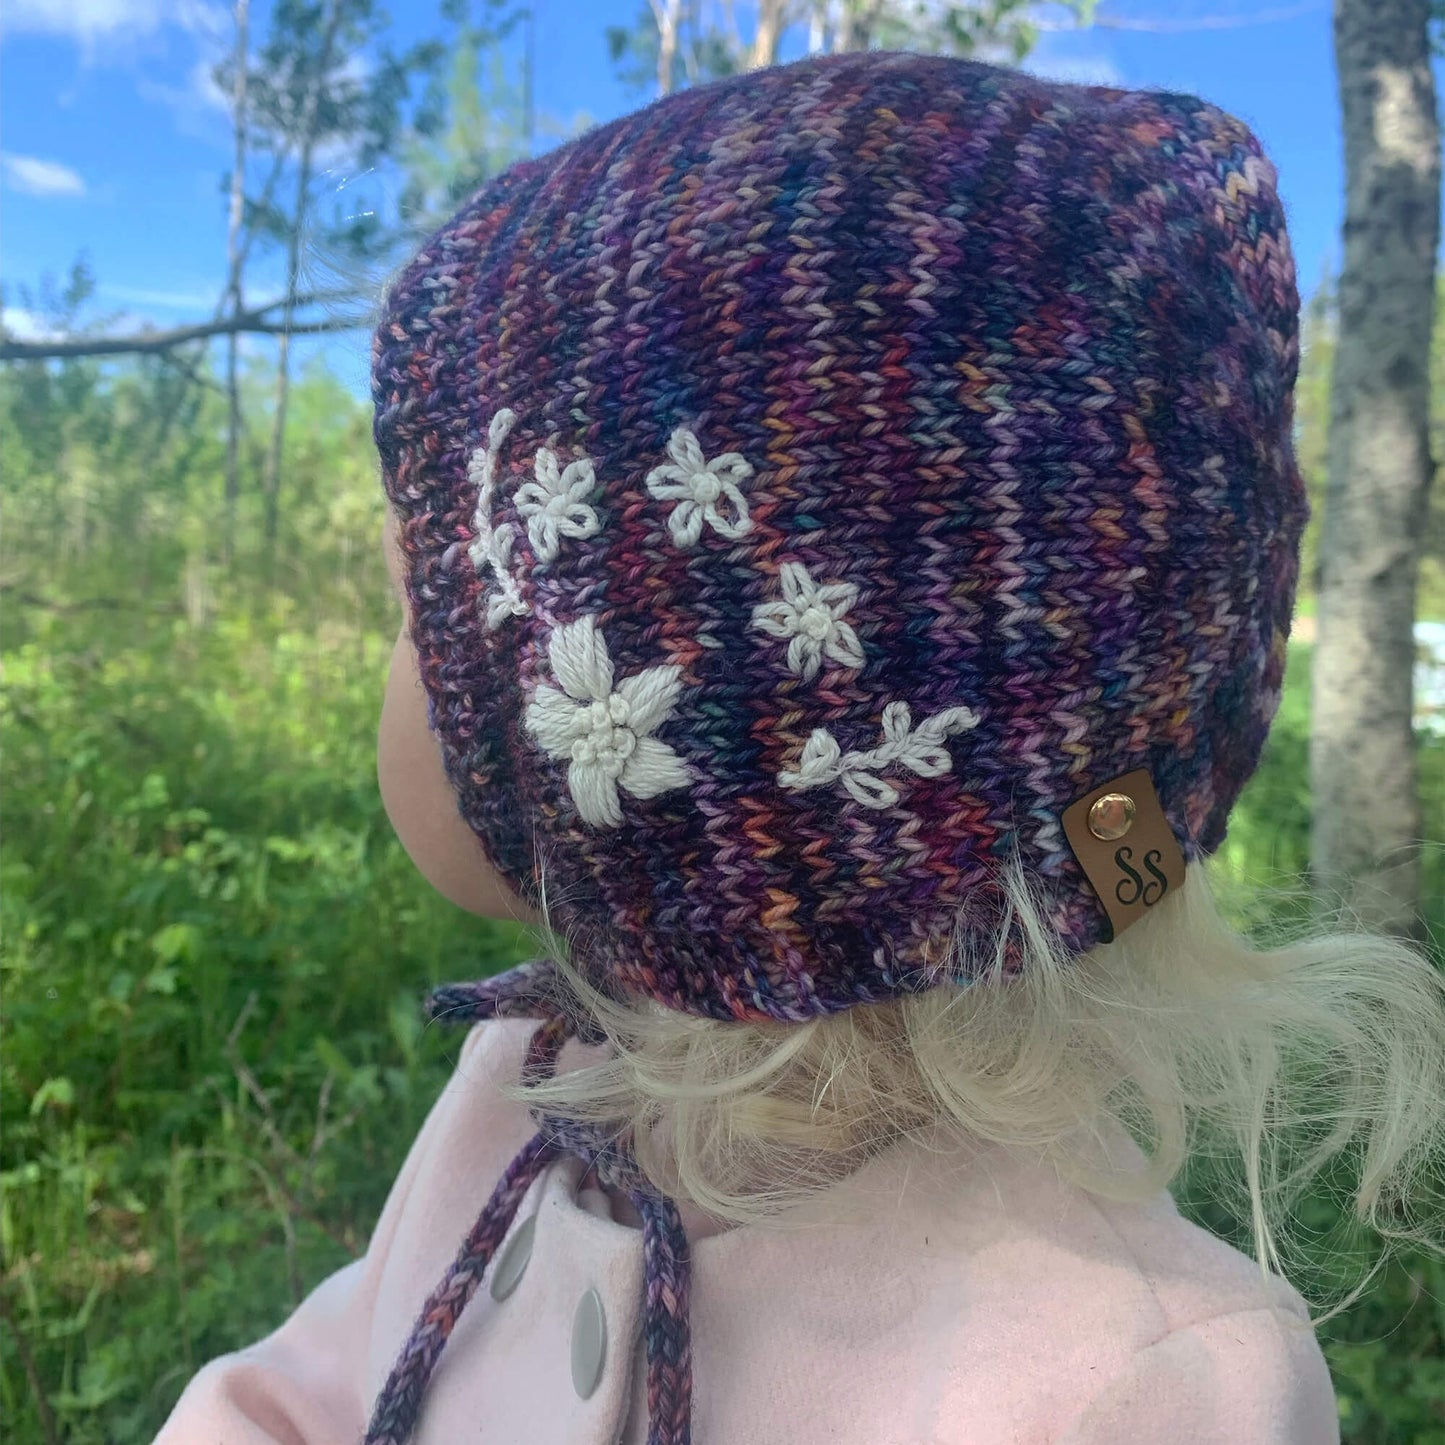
x=668 y=15
x=773 y=17
x=306 y=139
x=235 y=257
x=1363 y=769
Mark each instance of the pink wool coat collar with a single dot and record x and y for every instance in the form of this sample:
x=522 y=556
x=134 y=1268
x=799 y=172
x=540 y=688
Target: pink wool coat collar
x=929 y=1299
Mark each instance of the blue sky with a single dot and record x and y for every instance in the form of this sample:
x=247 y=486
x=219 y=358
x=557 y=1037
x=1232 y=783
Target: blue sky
x=112 y=141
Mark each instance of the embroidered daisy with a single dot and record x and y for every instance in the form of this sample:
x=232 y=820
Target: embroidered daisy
x=811 y=618
x=604 y=731
x=554 y=504
x=698 y=486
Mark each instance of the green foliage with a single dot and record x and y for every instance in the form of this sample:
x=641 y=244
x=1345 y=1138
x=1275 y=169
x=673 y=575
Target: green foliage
x=325 y=81
x=60 y=308
x=214 y=955
x=214 y=948
x=475 y=117
x=1268 y=841
x=704 y=52
x=113 y=495
x=709 y=44
x=984 y=29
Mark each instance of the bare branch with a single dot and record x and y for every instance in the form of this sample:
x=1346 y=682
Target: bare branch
x=323 y=1103
x=32 y=1375
x=268 y=191
x=247 y=1009
x=255 y=320
x=191 y=370
x=261 y=1100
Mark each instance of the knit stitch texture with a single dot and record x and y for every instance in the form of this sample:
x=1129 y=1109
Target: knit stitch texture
x=981 y=384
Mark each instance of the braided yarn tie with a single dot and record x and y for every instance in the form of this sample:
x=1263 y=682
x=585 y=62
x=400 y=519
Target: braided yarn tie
x=525 y=992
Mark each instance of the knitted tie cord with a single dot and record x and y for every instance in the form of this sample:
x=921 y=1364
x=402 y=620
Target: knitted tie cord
x=525 y=992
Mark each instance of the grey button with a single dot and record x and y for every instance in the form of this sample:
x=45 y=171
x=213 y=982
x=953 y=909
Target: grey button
x=589 y=1343
x=513 y=1260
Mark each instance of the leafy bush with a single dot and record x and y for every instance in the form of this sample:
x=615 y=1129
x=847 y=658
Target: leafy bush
x=215 y=951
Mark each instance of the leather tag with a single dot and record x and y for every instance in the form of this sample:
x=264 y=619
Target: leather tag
x=1137 y=862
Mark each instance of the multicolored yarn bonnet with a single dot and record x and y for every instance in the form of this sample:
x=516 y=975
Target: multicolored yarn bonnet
x=809 y=486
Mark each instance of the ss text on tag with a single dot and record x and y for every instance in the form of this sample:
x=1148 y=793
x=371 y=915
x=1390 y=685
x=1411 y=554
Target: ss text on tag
x=1125 y=846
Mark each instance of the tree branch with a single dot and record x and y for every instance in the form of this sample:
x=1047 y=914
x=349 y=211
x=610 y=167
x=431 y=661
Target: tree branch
x=32 y=1375
x=255 y=320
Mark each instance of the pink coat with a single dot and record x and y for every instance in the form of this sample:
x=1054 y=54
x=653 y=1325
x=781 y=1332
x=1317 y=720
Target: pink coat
x=929 y=1299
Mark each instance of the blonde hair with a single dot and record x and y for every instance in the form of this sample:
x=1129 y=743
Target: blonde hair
x=1289 y=1057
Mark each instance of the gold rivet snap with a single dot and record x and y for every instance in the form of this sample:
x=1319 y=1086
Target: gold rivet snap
x=1111 y=816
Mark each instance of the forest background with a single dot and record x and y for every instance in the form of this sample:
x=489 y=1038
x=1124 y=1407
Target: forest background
x=213 y=948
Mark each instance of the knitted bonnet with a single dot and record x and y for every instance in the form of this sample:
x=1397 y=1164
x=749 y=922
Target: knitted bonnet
x=809 y=487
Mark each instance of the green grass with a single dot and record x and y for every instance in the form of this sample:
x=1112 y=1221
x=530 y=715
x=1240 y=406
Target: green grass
x=212 y=942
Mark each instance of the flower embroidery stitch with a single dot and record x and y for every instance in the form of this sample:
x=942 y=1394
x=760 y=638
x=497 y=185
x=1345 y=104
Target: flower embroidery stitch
x=492 y=547
x=603 y=731
x=554 y=503
x=811 y=617
x=697 y=486
x=920 y=749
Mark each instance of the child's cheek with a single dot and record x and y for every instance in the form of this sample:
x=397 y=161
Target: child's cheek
x=420 y=802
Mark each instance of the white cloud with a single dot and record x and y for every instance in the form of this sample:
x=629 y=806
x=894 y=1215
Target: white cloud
x=25 y=325
x=193 y=300
x=204 y=88
x=1074 y=69
x=88 y=21
x=197 y=102
x=1073 y=55
x=35 y=177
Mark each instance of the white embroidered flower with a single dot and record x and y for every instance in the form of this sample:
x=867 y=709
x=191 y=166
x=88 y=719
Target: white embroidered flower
x=920 y=749
x=507 y=601
x=811 y=617
x=603 y=730
x=697 y=486
x=492 y=546
x=554 y=504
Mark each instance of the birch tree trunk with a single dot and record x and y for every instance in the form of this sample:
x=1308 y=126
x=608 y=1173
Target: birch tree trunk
x=856 y=23
x=1363 y=771
x=771 y=19
x=668 y=15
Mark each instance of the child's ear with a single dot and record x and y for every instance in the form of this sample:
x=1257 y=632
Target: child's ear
x=422 y=807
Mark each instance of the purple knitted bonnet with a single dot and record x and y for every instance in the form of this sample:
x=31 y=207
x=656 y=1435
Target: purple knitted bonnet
x=866 y=382
x=812 y=484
